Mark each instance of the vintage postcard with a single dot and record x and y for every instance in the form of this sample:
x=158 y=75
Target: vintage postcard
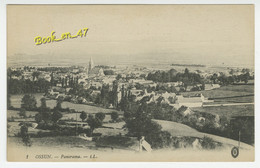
x=123 y=83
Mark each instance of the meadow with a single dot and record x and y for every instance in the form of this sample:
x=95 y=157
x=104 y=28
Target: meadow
x=225 y=91
x=228 y=111
x=16 y=102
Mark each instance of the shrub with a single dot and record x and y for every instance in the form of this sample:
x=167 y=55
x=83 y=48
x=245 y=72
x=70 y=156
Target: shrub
x=25 y=136
x=160 y=139
x=101 y=116
x=29 y=102
x=93 y=122
x=83 y=115
x=208 y=143
x=114 y=115
x=22 y=113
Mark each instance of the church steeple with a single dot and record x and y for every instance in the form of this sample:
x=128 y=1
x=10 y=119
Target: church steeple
x=91 y=64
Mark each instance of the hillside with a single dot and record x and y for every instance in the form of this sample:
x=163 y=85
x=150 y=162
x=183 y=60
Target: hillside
x=177 y=129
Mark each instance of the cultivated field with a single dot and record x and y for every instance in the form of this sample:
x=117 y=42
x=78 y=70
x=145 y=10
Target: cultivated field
x=228 y=94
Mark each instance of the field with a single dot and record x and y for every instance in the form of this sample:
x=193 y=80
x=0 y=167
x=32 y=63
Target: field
x=15 y=114
x=16 y=102
x=228 y=111
x=228 y=94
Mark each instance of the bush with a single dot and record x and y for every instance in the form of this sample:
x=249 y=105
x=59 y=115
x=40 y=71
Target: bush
x=29 y=102
x=25 y=136
x=114 y=115
x=56 y=115
x=83 y=115
x=62 y=131
x=22 y=113
x=160 y=139
x=93 y=122
x=208 y=143
x=101 y=116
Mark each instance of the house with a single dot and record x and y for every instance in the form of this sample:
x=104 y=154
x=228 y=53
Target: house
x=53 y=93
x=75 y=70
x=183 y=110
x=96 y=84
x=196 y=101
x=95 y=93
x=178 y=83
x=136 y=92
x=211 y=86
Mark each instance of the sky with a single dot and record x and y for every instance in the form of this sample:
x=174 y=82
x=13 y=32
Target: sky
x=194 y=34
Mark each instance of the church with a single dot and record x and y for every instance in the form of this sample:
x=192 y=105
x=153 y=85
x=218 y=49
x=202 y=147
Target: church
x=94 y=71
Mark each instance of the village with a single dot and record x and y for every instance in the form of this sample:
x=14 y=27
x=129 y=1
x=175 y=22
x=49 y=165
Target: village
x=180 y=96
x=132 y=79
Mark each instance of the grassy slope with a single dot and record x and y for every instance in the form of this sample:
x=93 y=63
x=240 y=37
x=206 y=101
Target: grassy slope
x=16 y=102
x=177 y=129
x=228 y=111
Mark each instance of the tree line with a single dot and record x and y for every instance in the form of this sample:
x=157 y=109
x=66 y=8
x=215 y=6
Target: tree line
x=233 y=79
x=16 y=86
x=188 y=78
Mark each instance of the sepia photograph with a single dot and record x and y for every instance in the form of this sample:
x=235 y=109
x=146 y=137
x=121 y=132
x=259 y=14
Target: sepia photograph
x=130 y=83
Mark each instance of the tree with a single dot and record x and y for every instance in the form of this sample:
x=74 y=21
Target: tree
x=29 y=102
x=52 y=79
x=22 y=113
x=245 y=70
x=186 y=72
x=114 y=115
x=43 y=103
x=139 y=122
x=8 y=101
x=56 y=115
x=36 y=74
x=58 y=103
x=245 y=77
x=9 y=73
x=119 y=76
x=108 y=72
x=93 y=123
x=114 y=96
x=83 y=115
x=214 y=78
x=25 y=136
x=38 y=117
x=101 y=116
x=232 y=71
x=104 y=95
x=44 y=115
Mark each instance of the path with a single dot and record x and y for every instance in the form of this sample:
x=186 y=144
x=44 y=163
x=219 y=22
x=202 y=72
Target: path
x=230 y=104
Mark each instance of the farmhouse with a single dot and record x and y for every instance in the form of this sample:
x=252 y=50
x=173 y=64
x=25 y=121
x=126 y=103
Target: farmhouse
x=185 y=111
x=196 y=101
x=211 y=86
